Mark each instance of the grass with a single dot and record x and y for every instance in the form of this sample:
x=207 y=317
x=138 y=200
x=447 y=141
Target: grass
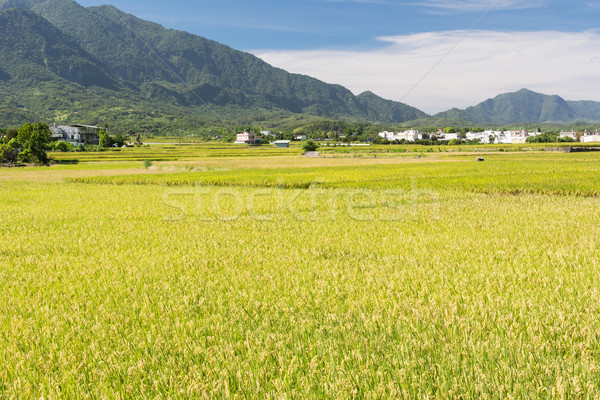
x=110 y=291
x=175 y=152
x=568 y=174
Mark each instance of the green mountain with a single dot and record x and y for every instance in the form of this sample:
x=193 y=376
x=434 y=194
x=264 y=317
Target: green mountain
x=62 y=62
x=33 y=48
x=525 y=106
x=586 y=110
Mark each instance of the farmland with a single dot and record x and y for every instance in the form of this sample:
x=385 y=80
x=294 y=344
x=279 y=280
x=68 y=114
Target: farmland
x=219 y=272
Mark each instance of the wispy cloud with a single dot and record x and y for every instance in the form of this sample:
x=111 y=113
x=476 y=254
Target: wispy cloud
x=456 y=5
x=362 y=1
x=479 y=5
x=485 y=64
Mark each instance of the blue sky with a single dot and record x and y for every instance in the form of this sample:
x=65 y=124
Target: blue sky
x=421 y=52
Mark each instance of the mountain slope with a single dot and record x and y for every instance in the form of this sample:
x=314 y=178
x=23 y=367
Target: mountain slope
x=178 y=69
x=585 y=109
x=522 y=106
x=4 y=76
x=377 y=108
x=32 y=46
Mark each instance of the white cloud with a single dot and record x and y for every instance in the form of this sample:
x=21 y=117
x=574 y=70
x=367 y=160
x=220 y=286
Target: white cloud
x=456 y=5
x=361 y=1
x=480 y=5
x=484 y=64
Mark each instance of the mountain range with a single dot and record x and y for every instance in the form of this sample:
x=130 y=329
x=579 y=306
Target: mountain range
x=61 y=62
x=526 y=106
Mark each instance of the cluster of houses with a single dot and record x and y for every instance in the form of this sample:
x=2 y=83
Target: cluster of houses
x=585 y=137
x=90 y=135
x=489 y=136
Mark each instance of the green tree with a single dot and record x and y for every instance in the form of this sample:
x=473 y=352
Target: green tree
x=546 y=137
x=14 y=143
x=10 y=135
x=309 y=145
x=26 y=156
x=23 y=134
x=63 y=146
x=104 y=139
x=565 y=139
x=35 y=146
x=7 y=153
x=119 y=140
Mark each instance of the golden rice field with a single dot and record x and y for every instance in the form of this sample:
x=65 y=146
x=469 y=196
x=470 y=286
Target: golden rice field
x=278 y=276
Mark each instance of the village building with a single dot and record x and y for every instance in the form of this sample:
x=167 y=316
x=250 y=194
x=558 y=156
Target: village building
x=76 y=134
x=484 y=137
x=267 y=134
x=283 y=144
x=522 y=133
x=590 y=137
x=410 y=135
x=247 y=138
x=448 y=136
x=571 y=134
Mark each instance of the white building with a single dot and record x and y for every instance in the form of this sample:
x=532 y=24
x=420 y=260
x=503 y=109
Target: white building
x=410 y=135
x=504 y=138
x=512 y=137
x=571 y=134
x=387 y=135
x=522 y=133
x=590 y=137
x=450 y=136
x=76 y=134
x=485 y=137
x=507 y=137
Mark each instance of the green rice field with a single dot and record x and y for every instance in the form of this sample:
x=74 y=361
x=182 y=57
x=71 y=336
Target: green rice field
x=234 y=272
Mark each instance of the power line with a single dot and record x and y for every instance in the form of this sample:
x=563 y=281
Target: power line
x=164 y=62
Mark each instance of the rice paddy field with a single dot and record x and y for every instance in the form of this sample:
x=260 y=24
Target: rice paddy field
x=224 y=272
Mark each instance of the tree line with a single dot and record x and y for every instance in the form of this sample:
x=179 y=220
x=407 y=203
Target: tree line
x=31 y=143
x=28 y=144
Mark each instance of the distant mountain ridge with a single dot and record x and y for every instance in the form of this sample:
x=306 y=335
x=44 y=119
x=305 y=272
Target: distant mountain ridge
x=61 y=62
x=526 y=106
x=129 y=59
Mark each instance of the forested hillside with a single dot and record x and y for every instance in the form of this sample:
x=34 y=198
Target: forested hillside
x=64 y=62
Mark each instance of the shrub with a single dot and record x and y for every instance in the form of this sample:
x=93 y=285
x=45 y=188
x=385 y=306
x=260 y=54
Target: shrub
x=309 y=145
x=8 y=154
x=63 y=146
x=104 y=139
